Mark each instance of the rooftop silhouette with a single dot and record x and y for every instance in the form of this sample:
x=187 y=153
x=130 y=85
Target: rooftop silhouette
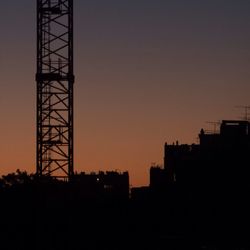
x=198 y=199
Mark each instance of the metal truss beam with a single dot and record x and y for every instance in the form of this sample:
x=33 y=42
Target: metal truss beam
x=55 y=79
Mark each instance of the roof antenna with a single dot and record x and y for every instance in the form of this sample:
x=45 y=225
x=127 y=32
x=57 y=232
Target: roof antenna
x=215 y=127
x=245 y=112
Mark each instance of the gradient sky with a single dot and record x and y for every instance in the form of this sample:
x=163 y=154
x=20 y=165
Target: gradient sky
x=147 y=72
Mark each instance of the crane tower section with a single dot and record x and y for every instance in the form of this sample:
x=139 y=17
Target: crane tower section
x=55 y=79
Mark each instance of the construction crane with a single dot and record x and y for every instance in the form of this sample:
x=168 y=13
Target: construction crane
x=55 y=79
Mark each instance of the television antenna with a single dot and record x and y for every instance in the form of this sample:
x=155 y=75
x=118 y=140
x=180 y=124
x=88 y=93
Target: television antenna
x=245 y=109
x=215 y=126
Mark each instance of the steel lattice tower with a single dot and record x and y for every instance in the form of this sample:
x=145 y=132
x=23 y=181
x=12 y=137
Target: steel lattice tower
x=55 y=80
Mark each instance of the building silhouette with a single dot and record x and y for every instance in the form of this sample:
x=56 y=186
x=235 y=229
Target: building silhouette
x=110 y=184
x=197 y=200
x=221 y=157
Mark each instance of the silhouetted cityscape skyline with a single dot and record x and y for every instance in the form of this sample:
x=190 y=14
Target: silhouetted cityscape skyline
x=147 y=74
x=197 y=200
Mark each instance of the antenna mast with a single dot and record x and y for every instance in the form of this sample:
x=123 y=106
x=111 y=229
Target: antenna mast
x=215 y=127
x=246 y=111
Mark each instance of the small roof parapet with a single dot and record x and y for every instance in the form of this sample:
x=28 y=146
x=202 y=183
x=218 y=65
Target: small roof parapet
x=235 y=127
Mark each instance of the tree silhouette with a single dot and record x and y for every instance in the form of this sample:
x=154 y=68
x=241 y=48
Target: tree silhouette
x=17 y=178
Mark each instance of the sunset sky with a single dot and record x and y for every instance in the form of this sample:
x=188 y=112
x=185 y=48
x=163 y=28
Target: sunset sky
x=147 y=72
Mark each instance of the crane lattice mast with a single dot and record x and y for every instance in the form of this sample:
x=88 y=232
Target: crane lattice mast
x=55 y=80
